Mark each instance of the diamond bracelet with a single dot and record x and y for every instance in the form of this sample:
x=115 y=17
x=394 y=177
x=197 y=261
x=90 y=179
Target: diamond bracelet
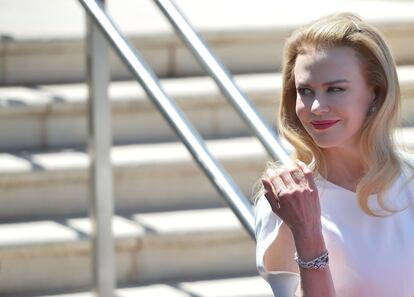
x=318 y=263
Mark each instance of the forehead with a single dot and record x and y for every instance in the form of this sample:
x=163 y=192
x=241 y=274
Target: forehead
x=327 y=64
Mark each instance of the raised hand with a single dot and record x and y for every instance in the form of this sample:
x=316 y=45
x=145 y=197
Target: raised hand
x=293 y=196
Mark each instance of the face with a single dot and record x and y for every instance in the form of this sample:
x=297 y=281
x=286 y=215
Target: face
x=332 y=96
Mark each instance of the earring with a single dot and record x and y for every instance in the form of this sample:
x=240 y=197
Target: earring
x=372 y=109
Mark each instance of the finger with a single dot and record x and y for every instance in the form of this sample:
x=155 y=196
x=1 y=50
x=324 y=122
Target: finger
x=270 y=173
x=269 y=189
x=298 y=176
x=303 y=167
x=270 y=194
x=308 y=175
x=287 y=179
x=278 y=184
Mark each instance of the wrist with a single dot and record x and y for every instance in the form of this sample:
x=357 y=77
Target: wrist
x=317 y=263
x=309 y=244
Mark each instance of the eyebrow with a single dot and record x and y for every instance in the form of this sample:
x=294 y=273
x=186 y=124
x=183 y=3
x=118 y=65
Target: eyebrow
x=332 y=82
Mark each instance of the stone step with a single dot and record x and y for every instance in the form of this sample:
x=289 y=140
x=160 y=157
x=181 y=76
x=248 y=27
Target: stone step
x=49 y=45
x=150 y=247
x=157 y=177
x=146 y=178
x=54 y=116
x=245 y=286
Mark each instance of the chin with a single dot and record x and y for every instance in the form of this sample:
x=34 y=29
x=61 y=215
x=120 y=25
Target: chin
x=326 y=143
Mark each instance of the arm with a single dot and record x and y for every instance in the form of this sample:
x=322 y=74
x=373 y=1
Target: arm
x=293 y=196
x=313 y=282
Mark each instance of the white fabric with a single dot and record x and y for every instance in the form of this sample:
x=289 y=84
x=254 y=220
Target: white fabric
x=369 y=256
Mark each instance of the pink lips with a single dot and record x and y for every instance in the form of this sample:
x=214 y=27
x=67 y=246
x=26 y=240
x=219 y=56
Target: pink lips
x=322 y=125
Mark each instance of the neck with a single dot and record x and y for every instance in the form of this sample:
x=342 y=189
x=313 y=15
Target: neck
x=344 y=167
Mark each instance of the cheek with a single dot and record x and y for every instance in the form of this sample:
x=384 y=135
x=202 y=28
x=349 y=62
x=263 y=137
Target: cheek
x=300 y=108
x=358 y=105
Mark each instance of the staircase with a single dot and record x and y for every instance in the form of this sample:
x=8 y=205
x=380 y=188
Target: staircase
x=174 y=235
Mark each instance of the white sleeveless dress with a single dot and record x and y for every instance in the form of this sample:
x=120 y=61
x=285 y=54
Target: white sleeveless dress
x=369 y=256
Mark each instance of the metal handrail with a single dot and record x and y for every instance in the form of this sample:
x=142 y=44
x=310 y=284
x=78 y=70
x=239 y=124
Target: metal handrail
x=99 y=22
x=224 y=80
x=171 y=112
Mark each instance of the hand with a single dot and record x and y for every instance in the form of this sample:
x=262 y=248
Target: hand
x=293 y=196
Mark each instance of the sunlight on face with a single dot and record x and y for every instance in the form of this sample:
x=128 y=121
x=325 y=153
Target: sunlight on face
x=332 y=96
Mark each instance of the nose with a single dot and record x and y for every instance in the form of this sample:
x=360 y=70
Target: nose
x=319 y=106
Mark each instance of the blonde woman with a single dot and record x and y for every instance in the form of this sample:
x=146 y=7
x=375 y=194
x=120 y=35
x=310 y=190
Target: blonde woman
x=342 y=217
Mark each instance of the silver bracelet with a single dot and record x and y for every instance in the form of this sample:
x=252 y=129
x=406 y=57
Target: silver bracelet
x=318 y=263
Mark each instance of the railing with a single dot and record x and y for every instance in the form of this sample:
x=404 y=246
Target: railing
x=223 y=79
x=100 y=27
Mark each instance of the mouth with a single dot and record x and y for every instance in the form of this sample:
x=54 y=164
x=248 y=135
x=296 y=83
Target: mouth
x=322 y=125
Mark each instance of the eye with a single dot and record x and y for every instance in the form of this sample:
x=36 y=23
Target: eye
x=335 y=89
x=304 y=91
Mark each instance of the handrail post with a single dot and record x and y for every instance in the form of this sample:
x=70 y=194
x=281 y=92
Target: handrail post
x=99 y=147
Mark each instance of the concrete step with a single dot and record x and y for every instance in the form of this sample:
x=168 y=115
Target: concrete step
x=146 y=178
x=49 y=45
x=150 y=247
x=54 y=116
x=246 y=286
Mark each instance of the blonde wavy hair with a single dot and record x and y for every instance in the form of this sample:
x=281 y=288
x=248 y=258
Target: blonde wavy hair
x=377 y=144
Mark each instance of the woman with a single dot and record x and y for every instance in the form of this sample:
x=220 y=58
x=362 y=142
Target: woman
x=347 y=217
